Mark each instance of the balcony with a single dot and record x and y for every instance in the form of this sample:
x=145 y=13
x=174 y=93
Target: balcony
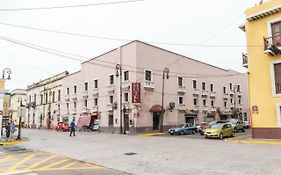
x=205 y=108
x=67 y=97
x=74 y=97
x=181 y=89
x=95 y=108
x=85 y=94
x=148 y=84
x=213 y=109
x=85 y=109
x=33 y=104
x=231 y=105
x=226 y=110
x=110 y=89
x=95 y=92
x=109 y=107
x=231 y=92
x=272 y=45
x=195 y=91
x=125 y=104
x=212 y=94
x=245 y=60
x=205 y=93
x=73 y=111
x=181 y=107
x=225 y=96
x=239 y=93
x=195 y=108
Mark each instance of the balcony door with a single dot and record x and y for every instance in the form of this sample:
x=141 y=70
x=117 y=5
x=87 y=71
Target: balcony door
x=276 y=35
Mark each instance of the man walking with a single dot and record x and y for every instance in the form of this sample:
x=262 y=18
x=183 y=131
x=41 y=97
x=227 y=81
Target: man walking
x=8 y=130
x=72 y=128
x=12 y=131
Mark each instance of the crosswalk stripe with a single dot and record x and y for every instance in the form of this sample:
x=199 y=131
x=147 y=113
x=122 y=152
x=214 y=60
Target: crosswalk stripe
x=6 y=158
x=16 y=165
x=54 y=164
x=70 y=164
x=41 y=162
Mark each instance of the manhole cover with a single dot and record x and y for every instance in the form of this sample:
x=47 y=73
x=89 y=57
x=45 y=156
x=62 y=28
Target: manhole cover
x=130 y=154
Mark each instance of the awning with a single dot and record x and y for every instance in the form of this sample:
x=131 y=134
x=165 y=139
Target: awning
x=191 y=115
x=84 y=120
x=156 y=108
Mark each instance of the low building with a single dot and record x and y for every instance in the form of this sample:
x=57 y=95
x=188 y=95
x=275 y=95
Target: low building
x=193 y=91
x=18 y=99
x=43 y=102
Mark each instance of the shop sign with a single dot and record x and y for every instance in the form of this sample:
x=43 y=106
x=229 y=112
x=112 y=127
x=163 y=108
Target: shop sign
x=136 y=92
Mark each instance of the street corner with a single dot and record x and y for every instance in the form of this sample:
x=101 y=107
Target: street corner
x=153 y=134
x=248 y=140
x=5 y=142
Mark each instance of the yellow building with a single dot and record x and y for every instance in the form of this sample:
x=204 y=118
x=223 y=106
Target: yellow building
x=263 y=32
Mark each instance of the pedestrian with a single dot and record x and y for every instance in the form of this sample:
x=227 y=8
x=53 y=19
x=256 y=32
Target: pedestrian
x=8 y=130
x=12 y=131
x=72 y=128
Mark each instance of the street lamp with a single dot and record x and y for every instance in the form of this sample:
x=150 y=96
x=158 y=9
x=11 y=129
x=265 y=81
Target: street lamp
x=21 y=111
x=119 y=74
x=235 y=88
x=5 y=71
x=164 y=75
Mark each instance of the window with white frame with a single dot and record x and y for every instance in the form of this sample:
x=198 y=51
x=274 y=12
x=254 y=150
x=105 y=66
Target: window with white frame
x=95 y=101
x=111 y=79
x=74 y=105
x=225 y=104
x=212 y=87
x=203 y=86
x=74 y=89
x=204 y=102
x=212 y=103
x=85 y=103
x=86 y=86
x=195 y=101
x=96 y=85
x=67 y=106
x=224 y=90
x=230 y=86
x=126 y=75
x=111 y=99
x=126 y=97
x=277 y=77
x=194 y=84
x=148 y=75
x=180 y=81
x=181 y=100
x=67 y=90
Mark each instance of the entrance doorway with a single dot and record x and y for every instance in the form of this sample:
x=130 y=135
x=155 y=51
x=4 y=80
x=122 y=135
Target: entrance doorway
x=126 y=122
x=156 y=121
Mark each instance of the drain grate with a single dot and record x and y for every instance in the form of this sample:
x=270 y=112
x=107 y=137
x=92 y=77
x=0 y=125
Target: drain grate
x=130 y=154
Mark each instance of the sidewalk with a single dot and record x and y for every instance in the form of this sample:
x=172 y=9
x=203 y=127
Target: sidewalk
x=248 y=140
x=4 y=141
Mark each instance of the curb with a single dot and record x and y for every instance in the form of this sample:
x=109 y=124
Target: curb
x=259 y=142
x=10 y=143
x=153 y=134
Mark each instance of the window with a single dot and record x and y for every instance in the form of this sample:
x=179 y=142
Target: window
x=34 y=98
x=111 y=79
x=110 y=120
x=230 y=86
x=148 y=75
x=29 y=98
x=86 y=86
x=212 y=103
x=67 y=91
x=181 y=100
x=203 y=86
x=95 y=101
x=194 y=84
x=276 y=33
x=224 y=90
x=46 y=96
x=195 y=101
x=85 y=103
x=111 y=99
x=59 y=107
x=58 y=95
x=238 y=88
x=239 y=100
x=277 y=77
x=126 y=75
x=74 y=105
x=96 y=84
x=75 y=89
x=204 y=102
x=67 y=106
x=231 y=100
x=225 y=104
x=180 y=81
x=53 y=97
x=212 y=87
x=126 y=97
x=41 y=98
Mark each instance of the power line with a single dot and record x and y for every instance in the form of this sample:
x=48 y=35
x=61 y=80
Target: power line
x=69 y=6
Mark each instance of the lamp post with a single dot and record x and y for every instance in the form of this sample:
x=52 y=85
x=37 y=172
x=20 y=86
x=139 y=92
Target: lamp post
x=164 y=75
x=21 y=111
x=235 y=88
x=119 y=74
x=5 y=71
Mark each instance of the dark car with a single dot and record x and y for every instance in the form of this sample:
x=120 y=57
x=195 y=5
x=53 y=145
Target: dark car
x=187 y=128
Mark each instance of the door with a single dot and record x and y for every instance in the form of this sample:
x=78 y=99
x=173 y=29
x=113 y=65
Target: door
x=276 y=29
x=156 y=120
x=189 y=120
x=126 y=122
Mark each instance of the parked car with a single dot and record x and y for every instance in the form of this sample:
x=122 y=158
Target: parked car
x=237 y=124
x=202 y=127
x=247 y=124
x=220 y=131
x=187 y=128
x=216 y=122
x=61 y=126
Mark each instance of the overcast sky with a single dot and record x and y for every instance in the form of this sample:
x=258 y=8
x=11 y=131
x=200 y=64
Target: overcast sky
x=166 y=21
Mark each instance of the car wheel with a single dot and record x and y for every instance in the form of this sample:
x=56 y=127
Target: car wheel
x=193 y=132
x=171 y=134
x=181 y=133
x=243 y=130
x=221 y=136
x=233 y=134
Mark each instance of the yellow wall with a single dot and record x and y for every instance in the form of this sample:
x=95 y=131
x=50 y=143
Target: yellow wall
x=2 y=84
x=260 y=83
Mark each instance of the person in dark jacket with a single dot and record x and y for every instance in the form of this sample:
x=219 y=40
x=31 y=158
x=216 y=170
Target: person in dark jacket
x=72 y=128
x=8 y=130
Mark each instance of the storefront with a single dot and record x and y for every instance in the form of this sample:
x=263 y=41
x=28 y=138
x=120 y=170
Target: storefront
x=190 y=118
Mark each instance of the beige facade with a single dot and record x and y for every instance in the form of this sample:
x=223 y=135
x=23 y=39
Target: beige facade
x=43 y=102
x=18 y=98
x=200 y=92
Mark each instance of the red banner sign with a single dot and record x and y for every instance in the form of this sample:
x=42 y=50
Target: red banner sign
x=136 y=93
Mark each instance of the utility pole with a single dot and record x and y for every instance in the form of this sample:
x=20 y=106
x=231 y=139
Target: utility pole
x=119 y=74
x=234 y=94
x=165 y=72
x=21 y=109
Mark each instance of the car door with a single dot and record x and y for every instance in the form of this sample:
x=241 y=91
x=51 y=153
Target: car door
x=186 y=128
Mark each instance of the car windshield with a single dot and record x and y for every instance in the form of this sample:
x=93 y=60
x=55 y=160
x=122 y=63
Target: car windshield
x=216 y=127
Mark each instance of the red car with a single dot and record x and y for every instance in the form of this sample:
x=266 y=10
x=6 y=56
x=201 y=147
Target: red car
x=61 y=126
x=202 y=127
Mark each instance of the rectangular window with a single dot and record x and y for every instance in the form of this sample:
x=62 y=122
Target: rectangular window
x=58 y=95
x=239 y=100
x=67 y=91
x=195 y=101
x=148 y=75
x=212 y=87
x=53 y=97
x=204 y=102
x=59 y=107
x=126 y=75
x=238 y=88
x=110 y=120
x=203 y=86
x=74 y=105
x=212 y=103
x=111 y=99
x=277 y=77
x=34 y=98
x=46 y=96
x=194 y=84
x=67 y=106
x=180 y=81
x=225 y=104
x=230 y=86
x=75 y=89
x=111 y=79
x=85 y=103
x=231 y=100
x=95 y=101
x=224 y=90
x=181 y=100
x=96 y=85
x=29 y=98
x=41 y=98
x=86 y=86
x=126 y=97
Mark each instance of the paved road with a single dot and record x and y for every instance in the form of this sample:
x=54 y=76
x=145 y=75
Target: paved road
x=160 y=155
